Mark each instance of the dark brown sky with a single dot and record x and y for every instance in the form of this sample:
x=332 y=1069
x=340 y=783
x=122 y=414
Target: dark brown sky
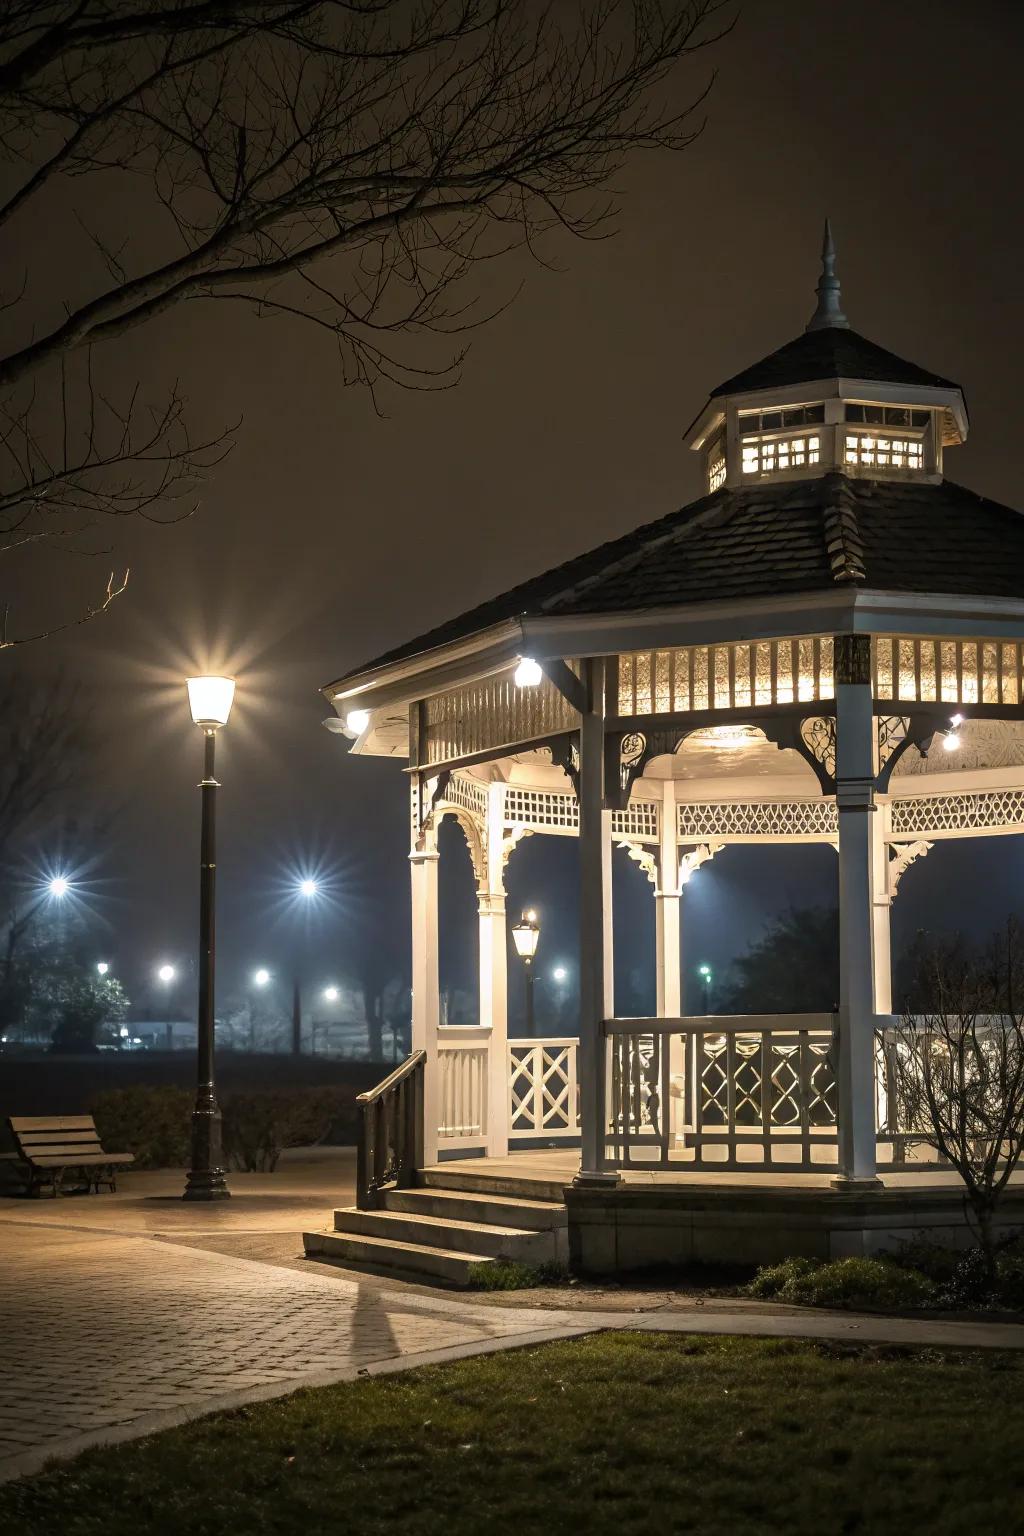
x=331 y=534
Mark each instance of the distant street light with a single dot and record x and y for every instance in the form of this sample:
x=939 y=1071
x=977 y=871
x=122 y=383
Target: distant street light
x=210 y=700
x=102 y=967
x=167 y=973
x=261 y=977
x=559 y=973
x=704 y=972
x=331 y=994
x=59 y=886
x=308 y=888
x=526 y=937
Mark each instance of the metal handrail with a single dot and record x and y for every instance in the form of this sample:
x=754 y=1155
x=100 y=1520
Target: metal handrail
x=390 y=1149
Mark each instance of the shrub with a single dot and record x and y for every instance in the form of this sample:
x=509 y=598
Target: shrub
x=854 y=1282
x=154 y=1123
x=961 y=1276
x=258 y=1126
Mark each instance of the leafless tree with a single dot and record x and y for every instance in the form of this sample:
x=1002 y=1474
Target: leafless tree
x=957 y=1071
x=346 y=162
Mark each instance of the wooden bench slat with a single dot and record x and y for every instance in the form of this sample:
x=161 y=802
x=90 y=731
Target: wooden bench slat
x=90 y=1160
x=57 y=1138
x=52 y=1123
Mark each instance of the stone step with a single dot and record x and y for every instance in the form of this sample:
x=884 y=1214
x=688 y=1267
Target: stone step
x=463 y=1205
x=384 y=1255
x=509 y=1186
x=482 y=1239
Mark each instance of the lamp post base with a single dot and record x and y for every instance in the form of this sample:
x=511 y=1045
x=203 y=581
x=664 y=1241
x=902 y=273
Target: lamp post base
x=206 y=1184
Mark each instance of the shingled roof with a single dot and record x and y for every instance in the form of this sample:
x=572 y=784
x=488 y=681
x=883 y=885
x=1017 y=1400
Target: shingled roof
x=769 y=540
x=832 y=353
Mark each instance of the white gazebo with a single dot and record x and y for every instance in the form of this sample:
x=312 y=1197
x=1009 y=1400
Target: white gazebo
x=825 y=648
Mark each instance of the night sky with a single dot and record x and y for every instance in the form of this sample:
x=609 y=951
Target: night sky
x=331 y=534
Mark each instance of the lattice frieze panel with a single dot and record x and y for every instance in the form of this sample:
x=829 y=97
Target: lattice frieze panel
x=755 y=819
x=467 y=792
x=915 y=669
x=641 y=820
x=702 y=677
x=978 y=812
x=542 y=810
x=491 y=714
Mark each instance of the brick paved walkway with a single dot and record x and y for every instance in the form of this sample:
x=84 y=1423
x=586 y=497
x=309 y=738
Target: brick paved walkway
x=103 y=1332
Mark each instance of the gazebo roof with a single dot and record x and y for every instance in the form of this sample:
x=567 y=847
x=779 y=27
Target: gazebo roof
x=834 y=352
x=767 y=540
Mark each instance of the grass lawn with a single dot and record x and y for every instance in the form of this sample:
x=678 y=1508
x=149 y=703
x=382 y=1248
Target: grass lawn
x=620 y=1433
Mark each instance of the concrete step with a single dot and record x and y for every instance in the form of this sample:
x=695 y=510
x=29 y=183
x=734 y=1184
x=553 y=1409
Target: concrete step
x=481 y=1239
x=493 y=1210
x=509 y=1186
x=385 y=1255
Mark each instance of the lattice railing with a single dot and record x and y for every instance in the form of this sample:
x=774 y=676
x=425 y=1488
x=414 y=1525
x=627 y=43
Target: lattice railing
x=467 y=792
x=749 y=819
x=724 y=1093
x=911 y=669
x=547 y=810
x=544 y=1097
x=701 y=677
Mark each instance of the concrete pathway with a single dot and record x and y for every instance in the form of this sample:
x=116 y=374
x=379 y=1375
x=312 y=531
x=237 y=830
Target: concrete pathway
x=120 y=1317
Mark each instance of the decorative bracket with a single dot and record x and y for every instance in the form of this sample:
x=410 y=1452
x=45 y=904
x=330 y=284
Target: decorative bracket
x=627 y=754
x=690 y=862
x=645 y=857
x=901 y=856
x=918 y=731
x=510 y=842
x=565 y=754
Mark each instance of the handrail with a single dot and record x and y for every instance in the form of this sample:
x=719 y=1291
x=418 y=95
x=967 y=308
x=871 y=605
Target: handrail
x=404 y=1069
x=722 y=1023
x=390 y=1149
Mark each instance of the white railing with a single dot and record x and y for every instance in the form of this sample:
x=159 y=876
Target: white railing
x=462 y=1054
x=750 y=1092
x=544 y=1094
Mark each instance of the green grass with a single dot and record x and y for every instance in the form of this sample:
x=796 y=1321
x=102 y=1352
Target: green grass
x=507 y=1275
x=615 y=1433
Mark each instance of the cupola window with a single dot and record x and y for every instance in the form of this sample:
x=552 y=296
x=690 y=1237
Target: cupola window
x=716 y=464
x=892 y=437
x=777 y=448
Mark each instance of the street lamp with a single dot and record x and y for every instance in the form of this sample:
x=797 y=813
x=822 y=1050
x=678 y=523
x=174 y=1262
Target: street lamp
x=210 y=701
x=704 y=972
x=59 y=886
x=102 y=967
x=526 y=936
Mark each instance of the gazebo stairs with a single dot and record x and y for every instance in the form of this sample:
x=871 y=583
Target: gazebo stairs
x=446 y=1226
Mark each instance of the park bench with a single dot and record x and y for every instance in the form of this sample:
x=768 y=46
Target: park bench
x=52 y=1145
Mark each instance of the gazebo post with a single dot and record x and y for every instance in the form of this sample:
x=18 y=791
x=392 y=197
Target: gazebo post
x=667 y=903
x=855 y=775
x=595 y=931
x=881 y=908
x=426 y=1006
x=494 y=975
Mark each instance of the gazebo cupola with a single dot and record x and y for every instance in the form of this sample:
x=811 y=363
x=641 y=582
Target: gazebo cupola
x=829 y=400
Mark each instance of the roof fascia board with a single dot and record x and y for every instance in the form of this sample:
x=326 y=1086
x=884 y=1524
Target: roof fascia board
x=445 y=666
x=990 y=618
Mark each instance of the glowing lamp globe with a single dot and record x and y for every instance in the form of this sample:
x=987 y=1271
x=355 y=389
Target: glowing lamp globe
x=357 y=720
x=261 y=977
x=166 y=973
x=59 y=886
x=526 y=936
x=307 y=887
x=209 y=699
x=331 y=994
x=102 y=967
x=528 y=673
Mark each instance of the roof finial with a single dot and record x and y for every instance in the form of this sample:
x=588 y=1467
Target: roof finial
x=829 y=311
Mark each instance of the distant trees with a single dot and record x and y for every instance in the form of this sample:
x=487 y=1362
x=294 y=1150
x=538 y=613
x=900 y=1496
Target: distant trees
x=792 y=968
x=345 y=164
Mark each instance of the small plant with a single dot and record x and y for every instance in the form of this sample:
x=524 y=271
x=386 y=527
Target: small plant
x=507 y=1275
x=853 y=1282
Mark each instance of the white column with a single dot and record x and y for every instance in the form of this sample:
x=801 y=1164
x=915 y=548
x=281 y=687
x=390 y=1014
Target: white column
x=855 y=772
x=494 y=976
x=667 y=901
x=881 y=905
x=425 y=986
x=595 y=931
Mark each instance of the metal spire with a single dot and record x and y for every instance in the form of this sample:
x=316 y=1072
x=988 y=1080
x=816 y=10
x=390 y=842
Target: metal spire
x=829 y=312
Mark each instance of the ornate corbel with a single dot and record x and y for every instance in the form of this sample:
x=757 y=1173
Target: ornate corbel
x=691 y=861
x=645 y=857
x=901 y=856
x=918 y=731
x=627 y=754
x=510 y=842
x=565 y=754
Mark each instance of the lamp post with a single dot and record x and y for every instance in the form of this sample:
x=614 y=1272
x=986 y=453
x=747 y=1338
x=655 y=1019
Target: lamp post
x=210 y=702
x=526 y=936
x=704 y=972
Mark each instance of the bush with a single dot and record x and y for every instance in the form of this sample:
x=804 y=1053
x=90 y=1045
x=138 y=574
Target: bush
x=154 y=1123
x=961 y=1276
x=855 y=1282
x=258 y=1126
